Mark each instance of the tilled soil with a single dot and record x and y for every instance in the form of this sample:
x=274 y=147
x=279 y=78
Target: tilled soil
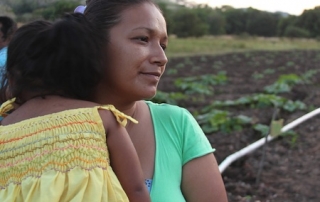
x=287 y=168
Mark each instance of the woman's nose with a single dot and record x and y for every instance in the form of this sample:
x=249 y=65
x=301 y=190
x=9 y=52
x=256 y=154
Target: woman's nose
x=159 y=56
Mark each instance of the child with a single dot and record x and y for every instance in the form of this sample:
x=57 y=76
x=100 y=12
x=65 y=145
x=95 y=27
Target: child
x=53 y=146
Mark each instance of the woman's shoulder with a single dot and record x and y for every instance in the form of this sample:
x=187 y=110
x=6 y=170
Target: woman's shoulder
x=164 y=106
x=168 y=110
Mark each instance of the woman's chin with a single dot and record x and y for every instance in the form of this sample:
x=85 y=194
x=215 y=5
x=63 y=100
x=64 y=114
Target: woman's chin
x=150 y=95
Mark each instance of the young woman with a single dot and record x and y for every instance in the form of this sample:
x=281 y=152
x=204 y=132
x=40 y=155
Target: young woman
x=56 y=146
x=176 y=158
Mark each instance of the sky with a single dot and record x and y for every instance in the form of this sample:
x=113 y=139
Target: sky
x=294 y=7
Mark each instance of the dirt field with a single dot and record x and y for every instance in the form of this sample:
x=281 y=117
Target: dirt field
x=290 y=170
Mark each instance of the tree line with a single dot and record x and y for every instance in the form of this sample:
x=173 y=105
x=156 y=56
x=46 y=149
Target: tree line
x=204 y=20
x=185 y=20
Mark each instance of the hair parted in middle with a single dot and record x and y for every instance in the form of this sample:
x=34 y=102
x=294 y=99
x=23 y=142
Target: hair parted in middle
x=105 y=14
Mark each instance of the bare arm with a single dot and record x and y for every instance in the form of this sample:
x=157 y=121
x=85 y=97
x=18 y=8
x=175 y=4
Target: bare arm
x=124 y=159
x=202 y=181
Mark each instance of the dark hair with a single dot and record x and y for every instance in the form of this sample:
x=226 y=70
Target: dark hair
x=8 y=27
x=104 y=14
x=54 y=58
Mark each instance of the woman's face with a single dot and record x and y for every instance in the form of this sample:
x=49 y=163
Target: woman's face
x=135 y=57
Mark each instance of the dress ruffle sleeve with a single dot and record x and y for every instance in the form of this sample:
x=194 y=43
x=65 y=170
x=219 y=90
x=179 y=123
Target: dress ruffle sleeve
x=121 y=117
x=6 y=107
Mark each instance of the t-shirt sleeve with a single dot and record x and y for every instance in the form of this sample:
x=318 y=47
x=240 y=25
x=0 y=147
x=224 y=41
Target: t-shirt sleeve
x=3 y=58
x=195 y=143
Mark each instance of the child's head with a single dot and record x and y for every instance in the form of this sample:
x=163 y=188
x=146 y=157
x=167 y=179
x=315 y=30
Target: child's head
x=54 y=58
x=7 y=29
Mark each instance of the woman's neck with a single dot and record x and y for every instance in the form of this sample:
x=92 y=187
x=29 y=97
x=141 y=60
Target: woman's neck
x=129 y=109
x=123 y=105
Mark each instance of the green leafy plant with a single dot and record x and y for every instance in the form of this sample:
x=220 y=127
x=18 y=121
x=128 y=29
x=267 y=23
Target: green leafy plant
x=217 y=64
x=290 y=64
x=170 y=98
x=257 y=76
x=200 y=84
x=260 y=101
x=172 y=71
x=179 y=65
x=283 y=84
x=195 y=68
x=191 y=88
x=308 y=75
x=219 y=120
x=203 y=59
x=269 y=71
x=210 y=79
x=263 y=129
x=188 y=61
x=293 y=137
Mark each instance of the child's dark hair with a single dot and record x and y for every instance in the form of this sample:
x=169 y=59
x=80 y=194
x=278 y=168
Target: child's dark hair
x=60 y=58
x=8 y=27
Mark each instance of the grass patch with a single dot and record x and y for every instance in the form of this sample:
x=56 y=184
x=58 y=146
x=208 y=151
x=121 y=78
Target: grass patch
x=214 y=45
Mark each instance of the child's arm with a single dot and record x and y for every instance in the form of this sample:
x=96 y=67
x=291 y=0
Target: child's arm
x=124 y=159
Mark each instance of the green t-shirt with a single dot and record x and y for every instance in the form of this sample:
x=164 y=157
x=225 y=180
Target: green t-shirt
x=179 y=139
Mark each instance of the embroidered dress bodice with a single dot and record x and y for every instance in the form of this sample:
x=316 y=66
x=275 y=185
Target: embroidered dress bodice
x=58 y=157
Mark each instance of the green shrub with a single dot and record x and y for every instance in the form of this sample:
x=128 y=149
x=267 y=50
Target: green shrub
x=296 y=32
x=58 y=9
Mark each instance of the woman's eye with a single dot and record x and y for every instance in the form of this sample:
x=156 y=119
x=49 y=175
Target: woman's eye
x=164 y=47
x=144 y=39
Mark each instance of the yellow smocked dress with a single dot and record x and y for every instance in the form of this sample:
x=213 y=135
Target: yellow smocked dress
x=58 y=157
